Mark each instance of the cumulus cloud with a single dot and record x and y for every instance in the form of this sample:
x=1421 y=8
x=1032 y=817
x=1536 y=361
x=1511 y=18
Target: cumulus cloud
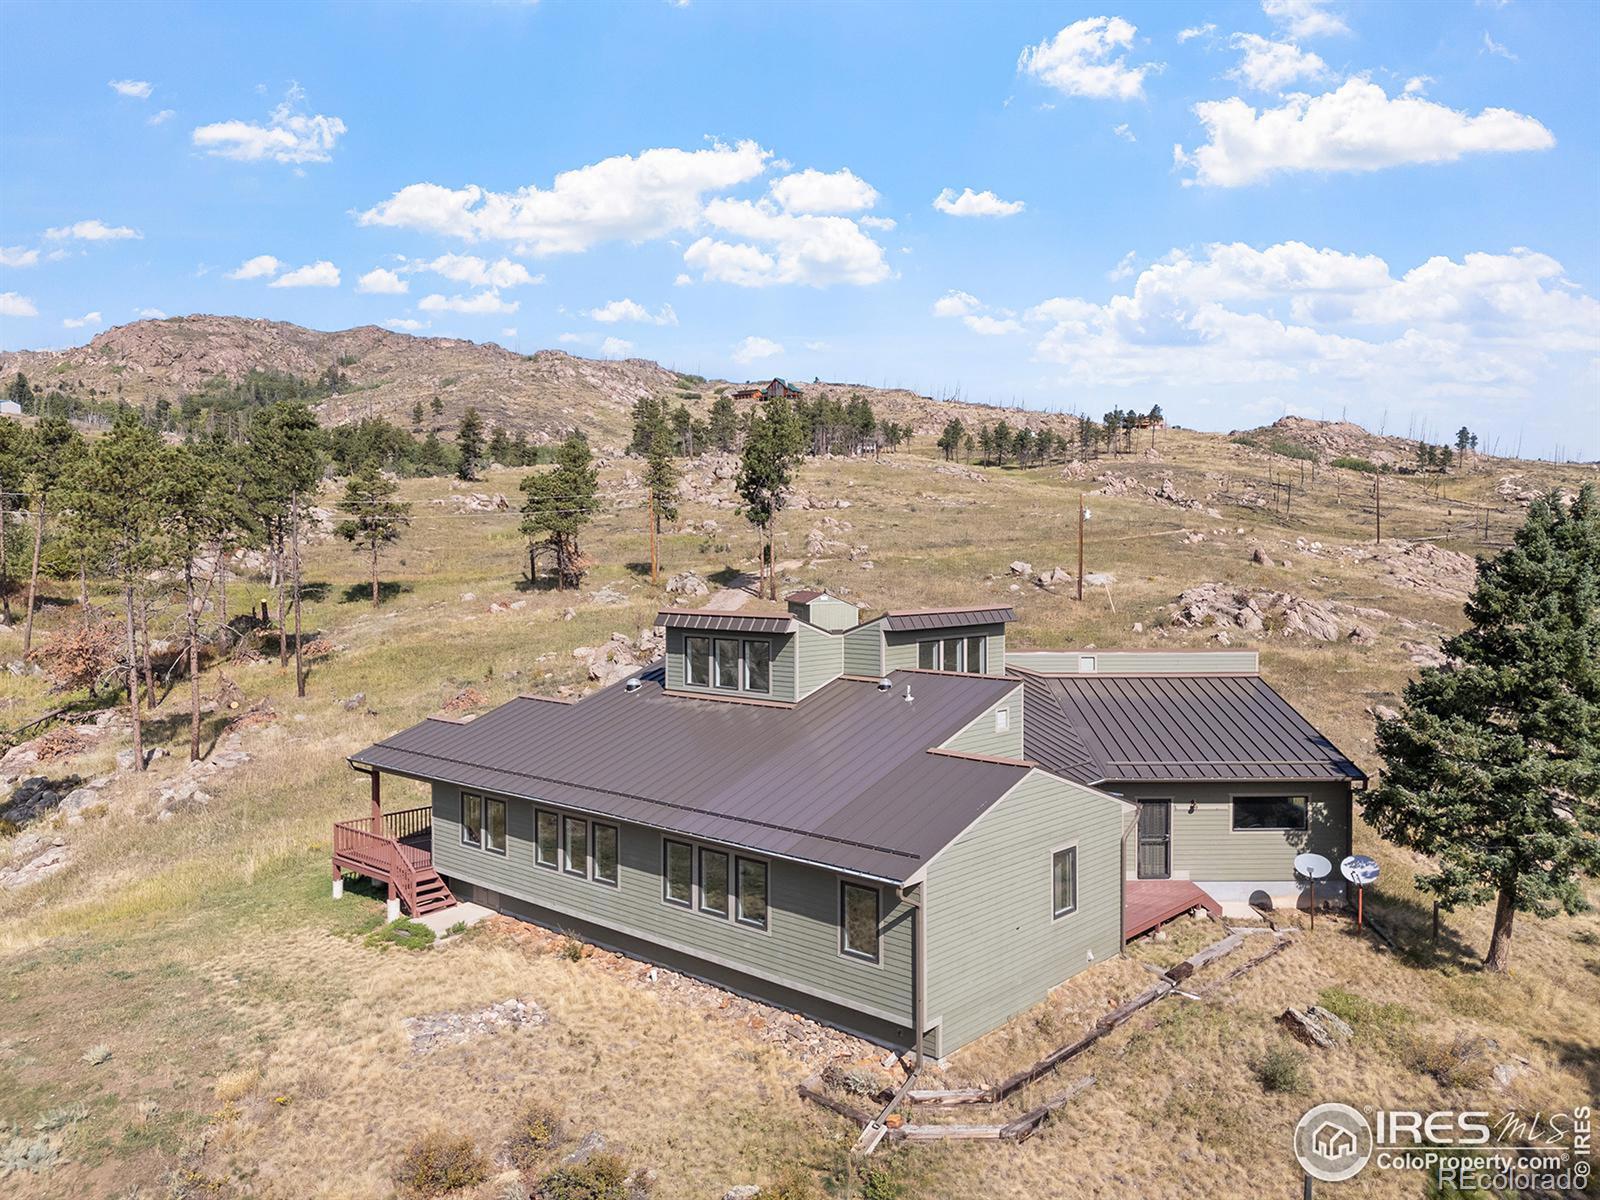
x=406 y=324
x=476 y=272
x=818 y=193
x=615 y=347
x=262 y=266
x=956 y=304
x=1354 y=128
x=17 y=256
x=1082 y=60
x=1196 y=31
x=771 y=247
x=1268 y=66
x=753 y=349
x=382 y=282
x=92 y=318
x=137 y=89
x=975 y=204
x=94 y=230
x=477 y=304
x=625 y=198
x=629 y=310
x=14 y=305
x=976 y=315
x=162 y=117
x=883 y=223
x=1304 y=18
x=288 y=135
x=320 y=274
x=1125 y=132
x=150 y=314
x=1124 y=268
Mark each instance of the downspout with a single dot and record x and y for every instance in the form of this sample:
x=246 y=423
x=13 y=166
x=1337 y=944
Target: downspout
x=919 y=964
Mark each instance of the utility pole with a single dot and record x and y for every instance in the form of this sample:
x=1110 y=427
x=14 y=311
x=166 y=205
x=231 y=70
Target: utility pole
x=650 y=522
x=1080 y=547
x=294 y=535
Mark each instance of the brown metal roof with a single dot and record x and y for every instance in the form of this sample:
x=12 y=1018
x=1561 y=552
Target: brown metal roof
x=805 y=596
x=737 y=621
x=947 y=618
x=1096 y=728
x=844 y=780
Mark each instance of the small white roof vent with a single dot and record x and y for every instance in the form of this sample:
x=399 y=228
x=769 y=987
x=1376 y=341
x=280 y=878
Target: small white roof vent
x=907 y=697
x=884 y=685
x=631 y=686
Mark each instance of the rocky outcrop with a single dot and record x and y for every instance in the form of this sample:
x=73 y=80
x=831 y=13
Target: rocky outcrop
x=1260 y=613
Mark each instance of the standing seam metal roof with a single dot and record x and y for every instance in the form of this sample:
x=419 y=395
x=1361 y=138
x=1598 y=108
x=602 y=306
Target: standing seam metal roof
x=844 y=779
x=948 y=618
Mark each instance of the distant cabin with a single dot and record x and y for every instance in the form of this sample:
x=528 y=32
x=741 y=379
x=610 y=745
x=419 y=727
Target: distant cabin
x=770 y=390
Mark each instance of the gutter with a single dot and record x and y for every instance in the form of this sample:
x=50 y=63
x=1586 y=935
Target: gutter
x=919 y=965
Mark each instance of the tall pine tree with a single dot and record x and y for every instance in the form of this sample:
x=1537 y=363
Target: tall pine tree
x=374 y=517
x=559 y=504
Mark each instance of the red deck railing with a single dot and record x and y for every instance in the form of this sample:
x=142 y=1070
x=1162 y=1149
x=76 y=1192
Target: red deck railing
x=379 y=854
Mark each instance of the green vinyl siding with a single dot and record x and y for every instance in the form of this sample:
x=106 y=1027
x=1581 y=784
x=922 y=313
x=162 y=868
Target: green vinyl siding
x=994 y=947
x=821 y=659
x=1206 y=847
x=1136 y=662
x=827 y=612
x=900 y=652
x=863 y=651
x=783 y=664
x=981 y=737
x=799 y=950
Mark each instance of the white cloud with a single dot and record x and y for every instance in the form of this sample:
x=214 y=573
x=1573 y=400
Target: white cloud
x=137 y=89
x=1490 y=46
x=1078 y=60
x=975 y=204
x=92 y=231
x=16 y=256
x=625 y=198
x=289 y=135
x=1291 y=315
x=508 y=332
x=162 y=117
x=1195 y=31
x=1124 y=132
x=478 y=304
x=615 y=347
x=1268 y=66
x=1417 y=85
x=956 y=304
x=883 y=223
x=817 y=193
x=567 y=339
x=14 y=305
x=779 y=247
x=682 y=279
x=150 y=314
x=1355 y=128
x=92 y=318
x=321 y=274
x=752 y=349
x=382 y=282
x=974 y=316
x=262 y=266
x=1304 y=18
x=992 y=326
x=629 y=310
x=475 y=272
x=406 y=324
x=1124 y=267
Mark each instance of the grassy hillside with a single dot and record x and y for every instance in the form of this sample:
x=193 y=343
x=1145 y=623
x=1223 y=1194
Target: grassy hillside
x=184 y=1008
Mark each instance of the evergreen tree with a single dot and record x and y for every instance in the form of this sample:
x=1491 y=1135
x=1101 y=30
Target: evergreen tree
x=724 y=424
x=373 y=517
x=649 y=415
x=951 y=438
x=661 y=477
x=20 y=391
x=519 y=450
x=559 y=504
x=772 y=448
x=48 y=451
x=469 y=445
x=500 y=447
x=13 y=464
x=416 y=417
x=1494 y=761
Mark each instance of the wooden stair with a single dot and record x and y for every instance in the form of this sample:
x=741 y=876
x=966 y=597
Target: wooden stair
x=427 y=892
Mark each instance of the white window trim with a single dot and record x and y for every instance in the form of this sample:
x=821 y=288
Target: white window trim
x=1065 y=912
x=711 y=659
x=875 y=960
x=699 y=889
x=547 y=866
x=744 y=665
x=566 y=847
x=685 y=905
x=505 y=825
x=461 y=822
x=738 y=665
x=738 y=889
x=1002 y=720
x=594 y=858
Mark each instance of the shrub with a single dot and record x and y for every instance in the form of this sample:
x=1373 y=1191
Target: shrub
x=413 y=935
x=1361 y=1012
x=1459 y=1062
x=1350 y=463
x=601 y=1176
x=536 y=1131
x=572 y=949
x=1281 y=1070
x=438 y=1163
x=878 y=1182
x=792 y=1184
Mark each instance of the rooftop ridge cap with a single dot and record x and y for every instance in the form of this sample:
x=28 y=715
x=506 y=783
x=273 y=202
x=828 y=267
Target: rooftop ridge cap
x=988 y=758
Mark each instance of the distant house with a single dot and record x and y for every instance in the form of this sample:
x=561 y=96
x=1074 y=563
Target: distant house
x=852 y=818
x=10 y=408
x=772 y=389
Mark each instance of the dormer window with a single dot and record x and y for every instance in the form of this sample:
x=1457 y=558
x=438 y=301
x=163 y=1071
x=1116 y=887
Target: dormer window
x=727 y=664
x=758 y=666
x=954 y=654
x=697 y=660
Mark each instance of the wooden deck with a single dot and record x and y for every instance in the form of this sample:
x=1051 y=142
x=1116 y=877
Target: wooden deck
x=1149 y=903
x=397 y=851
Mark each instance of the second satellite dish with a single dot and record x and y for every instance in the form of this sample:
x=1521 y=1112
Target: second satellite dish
x=1360 y=870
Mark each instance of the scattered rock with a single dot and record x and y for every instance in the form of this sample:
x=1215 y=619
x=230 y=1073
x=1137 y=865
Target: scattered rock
x=354 y=703
x=1316 y=1026
x=34 y=856
x=1261 y=558
x=452 y=1028
x=591 y=1143
x=1265 y=613
x=1425 y=655
x=608 y=595
x=125 y=757
x=743 y=1191
x=1053 y=577
x=687 y=584
x=1021 y=568
x=466 y=699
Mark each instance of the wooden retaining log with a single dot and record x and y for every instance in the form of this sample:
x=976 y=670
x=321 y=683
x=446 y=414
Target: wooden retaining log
x=1029 y=1123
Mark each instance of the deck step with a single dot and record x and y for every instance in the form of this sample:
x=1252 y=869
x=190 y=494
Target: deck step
x=429 y=893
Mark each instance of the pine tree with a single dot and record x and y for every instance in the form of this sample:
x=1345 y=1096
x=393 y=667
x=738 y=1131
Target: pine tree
x=1494 y=761
x=499 y=447
x=951 y=438
x=559 y=504
x=724 y=424
x=416 y=417
x=649 y=415
x=374 y=517
x=469 y=445
x=772 y=448
x=48 y=452
x=661 y=477
x=13 y=463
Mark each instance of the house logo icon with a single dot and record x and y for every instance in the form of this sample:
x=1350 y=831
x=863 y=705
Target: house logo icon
x=1332 y=1142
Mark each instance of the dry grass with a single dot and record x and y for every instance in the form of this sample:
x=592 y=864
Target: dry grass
x=246 y=1016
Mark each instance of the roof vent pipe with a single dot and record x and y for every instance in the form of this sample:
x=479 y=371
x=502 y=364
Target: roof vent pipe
x=907 y=696
x=884 y=685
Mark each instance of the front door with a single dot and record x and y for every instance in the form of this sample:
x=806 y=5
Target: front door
x=1155 y=839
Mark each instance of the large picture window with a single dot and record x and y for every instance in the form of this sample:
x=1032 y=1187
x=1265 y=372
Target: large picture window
x=751 y=902
x=953 y=654
x=677 y=869
x=471 y=819
x=928 y=656
x=758 y=666
x=494 y=826
x=547 y=839
x=1269 y=812
x=605 y=854
x=1064 y=881
x=697 y=660
x=713 y=882
x=858 y=921
x=575 y=844
x=727 y=664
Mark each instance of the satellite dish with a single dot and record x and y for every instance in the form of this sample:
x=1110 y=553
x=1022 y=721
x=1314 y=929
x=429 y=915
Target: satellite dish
x=1360 y=870
x=1312 y=866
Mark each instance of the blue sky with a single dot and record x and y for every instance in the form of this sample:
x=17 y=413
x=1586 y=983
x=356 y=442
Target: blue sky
x=1233 y=210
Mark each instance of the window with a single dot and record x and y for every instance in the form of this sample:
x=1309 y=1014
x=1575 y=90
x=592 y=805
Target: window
x=697 y=660
x=605 y=854
x=471 y=819
x=1064 y=881
x=494 y=826
x=1086 y=664
x=928 y=656
x=1002 y=720
x=978 y=654
x=714 y=882
x=952 y=654
x=546 y=840
x=575 y=842
x=858 y=921
x=727 y=664
x=752 y=899
x=677 y=871
x=1270 y=812
x=758 y=666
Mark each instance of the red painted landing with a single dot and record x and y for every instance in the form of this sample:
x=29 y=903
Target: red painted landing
x=1151 y=902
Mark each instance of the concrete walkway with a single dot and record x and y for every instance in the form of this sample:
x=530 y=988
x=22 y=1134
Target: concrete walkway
x=457 y=914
